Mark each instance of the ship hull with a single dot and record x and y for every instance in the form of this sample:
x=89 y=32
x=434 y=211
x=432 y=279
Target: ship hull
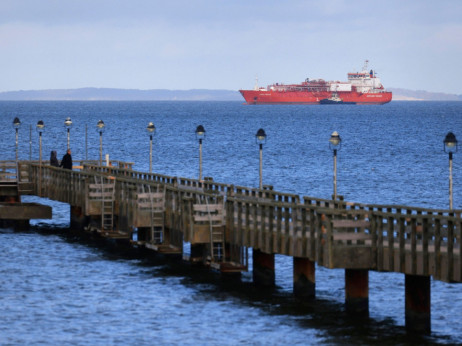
x=254 y=97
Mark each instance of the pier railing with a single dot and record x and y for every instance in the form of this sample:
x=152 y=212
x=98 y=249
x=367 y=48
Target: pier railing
x=8 y=172
x=334 y=233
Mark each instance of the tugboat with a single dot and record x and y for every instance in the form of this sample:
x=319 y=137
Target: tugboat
x=334 y=100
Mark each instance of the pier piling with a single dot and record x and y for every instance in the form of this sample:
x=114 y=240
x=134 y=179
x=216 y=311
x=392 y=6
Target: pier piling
x=263 y=268
x=417 y=303
x=357 y=291
x=304 y=278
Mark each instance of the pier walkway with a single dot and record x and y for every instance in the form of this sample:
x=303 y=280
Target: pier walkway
x=222 y=221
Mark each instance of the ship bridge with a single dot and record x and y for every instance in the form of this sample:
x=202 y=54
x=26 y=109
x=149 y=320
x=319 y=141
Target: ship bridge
x=365 y=81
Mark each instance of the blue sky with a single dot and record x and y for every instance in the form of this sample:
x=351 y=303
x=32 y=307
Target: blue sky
x=214 y=44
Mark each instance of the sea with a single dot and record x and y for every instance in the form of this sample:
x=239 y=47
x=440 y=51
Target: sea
x=60 y=289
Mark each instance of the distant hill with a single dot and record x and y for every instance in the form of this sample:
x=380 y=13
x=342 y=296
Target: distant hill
x=421 y=95
x=111 y=94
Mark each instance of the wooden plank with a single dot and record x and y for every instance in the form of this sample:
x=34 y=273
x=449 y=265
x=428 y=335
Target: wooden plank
x=191 y=188
x=402 y=257
x=24 y=211
x=352 y=258
x=378 y=230
x=99 y=186
x=437 y=249
x=208 y=208
x=351 y=224
x=207 y=218
x=149 y=205
x=99 y=195
x=414 y=246
x=352 y=236
x=153 y=195
x=391 y=241
x=450 y=258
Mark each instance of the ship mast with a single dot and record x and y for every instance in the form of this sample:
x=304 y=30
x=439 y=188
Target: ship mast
x=365 y=65
x=256 y=83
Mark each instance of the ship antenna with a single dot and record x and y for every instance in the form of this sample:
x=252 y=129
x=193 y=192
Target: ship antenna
x=365 y=65
x=256 y=83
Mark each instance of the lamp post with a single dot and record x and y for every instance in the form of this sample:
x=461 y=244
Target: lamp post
x=100 y=128
x=30 y=142
x=40 y=127
x=151 y=130
x=450 y=147
x=68 y=124
x=260 y=138
x=16 y=125
x=200 y=135
x=335 y=143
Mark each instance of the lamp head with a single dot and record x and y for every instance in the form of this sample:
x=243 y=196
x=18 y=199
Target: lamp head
x=450 y=143
x=200 y=132
x=68 y=122
x=260 y=136
x=16 y=123
x=151 y=128
x=335 y=142
x=40 y=127
x=100 y=126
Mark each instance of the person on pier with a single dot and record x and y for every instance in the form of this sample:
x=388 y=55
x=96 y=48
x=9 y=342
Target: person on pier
x=66 y=162
x=54 y=159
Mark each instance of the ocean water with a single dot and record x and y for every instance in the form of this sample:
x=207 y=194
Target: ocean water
x=60 y=289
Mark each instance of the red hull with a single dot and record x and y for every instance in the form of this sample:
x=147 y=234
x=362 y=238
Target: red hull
x=253 y=97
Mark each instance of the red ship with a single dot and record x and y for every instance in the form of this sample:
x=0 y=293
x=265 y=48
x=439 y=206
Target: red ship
x=362 y=88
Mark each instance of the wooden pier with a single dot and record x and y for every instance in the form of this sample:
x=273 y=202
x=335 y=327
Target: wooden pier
x=222 y=221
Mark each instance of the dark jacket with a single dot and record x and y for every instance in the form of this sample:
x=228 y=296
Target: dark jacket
x=54 y=159
x=66 y=162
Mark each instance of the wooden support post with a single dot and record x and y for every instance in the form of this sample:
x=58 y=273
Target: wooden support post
x=198 y=253
x=304 y=278
x=78 y=219
x=11 y=196
x=263 y=268
x=417 y=303
x=357 y=291
x=144 y=234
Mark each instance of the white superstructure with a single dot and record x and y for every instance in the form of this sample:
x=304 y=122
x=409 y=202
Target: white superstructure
x=365 y=81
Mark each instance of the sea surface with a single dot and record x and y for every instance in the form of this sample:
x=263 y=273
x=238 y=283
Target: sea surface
x=60 y=289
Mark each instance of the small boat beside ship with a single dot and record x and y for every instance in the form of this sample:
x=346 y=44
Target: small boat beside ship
x=335 y=100
x=362 y=87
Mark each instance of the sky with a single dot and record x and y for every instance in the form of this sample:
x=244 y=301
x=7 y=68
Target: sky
x=218 y=44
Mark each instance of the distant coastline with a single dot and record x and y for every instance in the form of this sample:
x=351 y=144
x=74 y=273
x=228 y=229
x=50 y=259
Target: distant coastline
x=422 y=95
x=112 y=94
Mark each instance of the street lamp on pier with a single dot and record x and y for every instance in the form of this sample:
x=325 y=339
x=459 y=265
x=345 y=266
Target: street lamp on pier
x=40 y=127
x=335 y=143
x=151 y=130
x=450 y=147
x=200 y=135
x=100 y=128
x=68 y=124
x=16 y=125
x=260 y=138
